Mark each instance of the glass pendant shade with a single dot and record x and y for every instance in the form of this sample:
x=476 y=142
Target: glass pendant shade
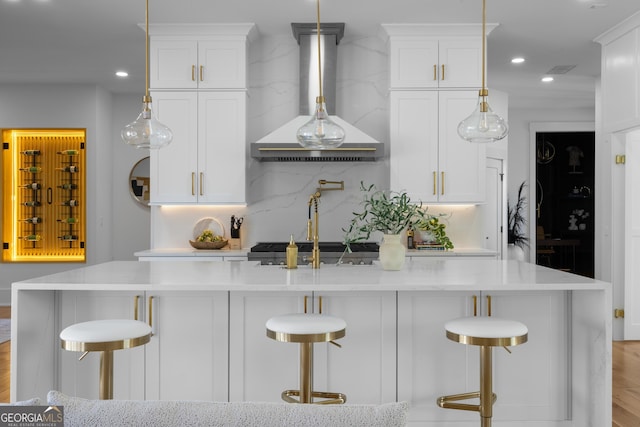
x=483 y=125
x=146 y=131
x=320 y=133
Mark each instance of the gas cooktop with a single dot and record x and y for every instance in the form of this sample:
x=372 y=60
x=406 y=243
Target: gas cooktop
x=308 y=246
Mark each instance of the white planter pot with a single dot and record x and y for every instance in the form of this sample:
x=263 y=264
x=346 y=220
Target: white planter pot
x=392 y=252
x=515 y=252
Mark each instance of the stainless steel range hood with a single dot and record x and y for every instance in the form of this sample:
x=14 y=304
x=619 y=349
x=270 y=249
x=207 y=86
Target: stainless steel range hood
x=281 y=145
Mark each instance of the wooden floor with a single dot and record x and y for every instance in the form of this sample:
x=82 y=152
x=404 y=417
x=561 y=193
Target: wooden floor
x=626 y=378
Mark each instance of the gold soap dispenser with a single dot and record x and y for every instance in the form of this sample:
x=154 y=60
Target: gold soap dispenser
x=292 y=254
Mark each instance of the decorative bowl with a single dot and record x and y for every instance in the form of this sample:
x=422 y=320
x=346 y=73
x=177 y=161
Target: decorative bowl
x=209 y=245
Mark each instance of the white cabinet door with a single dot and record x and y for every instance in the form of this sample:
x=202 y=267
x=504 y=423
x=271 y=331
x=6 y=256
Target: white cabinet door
x=430 y=365
x=81 y=377
x=197 y=64
x=205 y=162
x=173 y=64
x=365 y=367
x=221 y=147
x=222 y=64
x=187 y=358
x=260 y=368
x=621 y=82
x=174 y=168
x=427 y=157
x=461 y=164
x=532 y=381
x=420 y=63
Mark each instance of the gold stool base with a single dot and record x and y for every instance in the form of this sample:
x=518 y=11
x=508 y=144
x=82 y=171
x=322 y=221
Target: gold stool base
x=330 y=397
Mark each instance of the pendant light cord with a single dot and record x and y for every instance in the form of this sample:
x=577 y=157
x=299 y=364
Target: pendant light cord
x=146 y=50
x=319 y=54
x=484 y=38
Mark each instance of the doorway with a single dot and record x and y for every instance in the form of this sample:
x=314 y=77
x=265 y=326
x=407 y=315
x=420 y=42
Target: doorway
x=563 y=212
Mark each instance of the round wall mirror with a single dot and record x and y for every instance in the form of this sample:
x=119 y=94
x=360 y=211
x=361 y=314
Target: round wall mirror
x=139 y=181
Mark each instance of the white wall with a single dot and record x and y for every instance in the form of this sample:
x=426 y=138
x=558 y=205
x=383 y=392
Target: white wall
x=66 y=106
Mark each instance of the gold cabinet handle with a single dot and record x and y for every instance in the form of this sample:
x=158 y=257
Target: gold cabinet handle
x=151 y=313
x=488 y=305
x=306 y=298
x=193 y=183
x=193 y=73
x=442 y=76
x=435 y=72
x=201 y=183
x=434 y=183
x=320 y=305
x=202 y=73
x=475 y=305
x=442 y=183
x=136 y=299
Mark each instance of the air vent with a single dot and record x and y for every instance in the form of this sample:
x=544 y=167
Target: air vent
x=561 y=69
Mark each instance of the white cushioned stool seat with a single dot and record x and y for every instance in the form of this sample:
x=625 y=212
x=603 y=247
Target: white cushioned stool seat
x=489 y=331
x=301 y=327
x=100 y=335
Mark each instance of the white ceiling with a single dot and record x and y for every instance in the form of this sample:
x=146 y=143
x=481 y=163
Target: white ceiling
x=86 y=41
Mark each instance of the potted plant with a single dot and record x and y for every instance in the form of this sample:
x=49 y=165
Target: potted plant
x=516 y=222
x=436 y=230
x=390 y=213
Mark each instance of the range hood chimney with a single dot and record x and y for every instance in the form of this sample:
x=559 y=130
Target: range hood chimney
x=281 y=145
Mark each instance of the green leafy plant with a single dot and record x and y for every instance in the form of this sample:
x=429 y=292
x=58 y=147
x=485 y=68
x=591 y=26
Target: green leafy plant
x=437 y=229
x=516 y=221
x=388 y=212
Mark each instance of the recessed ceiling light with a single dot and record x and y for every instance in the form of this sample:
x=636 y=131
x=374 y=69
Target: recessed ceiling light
x=122 y=74
x=547 y=79
x=517 y=60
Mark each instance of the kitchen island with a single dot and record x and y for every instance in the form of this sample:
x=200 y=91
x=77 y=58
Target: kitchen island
x=210 y=343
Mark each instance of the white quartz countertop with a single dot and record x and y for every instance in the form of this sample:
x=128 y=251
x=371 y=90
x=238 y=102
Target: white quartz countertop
x=429 y=274
x=190 y=252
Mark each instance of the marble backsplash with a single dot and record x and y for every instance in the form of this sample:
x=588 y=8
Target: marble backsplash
x=278 y=193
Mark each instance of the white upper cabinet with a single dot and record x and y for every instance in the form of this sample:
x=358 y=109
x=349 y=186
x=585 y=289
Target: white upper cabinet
x=435 y=56
x=198 y=56
x=621 y=77
x=428 y=159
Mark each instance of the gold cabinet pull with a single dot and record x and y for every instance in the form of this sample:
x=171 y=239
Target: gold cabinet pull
x=442 y=76
x=435 y=72
x=320 y=305
x=151 y=313
x=475 y=305
x=136 y=299
x=201 y=183
x=305 y=303
x=488 y=305
x=193 y=73
x=193 y=183
x=434 y=183
x=202 y=73
x=442 y=183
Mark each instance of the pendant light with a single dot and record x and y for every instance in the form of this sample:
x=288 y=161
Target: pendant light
x=146 y=131
x=320 y=132
x=483 y=125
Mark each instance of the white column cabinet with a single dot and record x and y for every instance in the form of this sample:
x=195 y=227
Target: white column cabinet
x=431 y=63
x=620 y=79
x=363 y=369
x=205 y=162
x=428 y=159
x=430 y=365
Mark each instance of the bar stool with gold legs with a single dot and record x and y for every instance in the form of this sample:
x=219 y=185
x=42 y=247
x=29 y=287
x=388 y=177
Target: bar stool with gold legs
x=105 y=336
x=485 y=332
x=307 y=329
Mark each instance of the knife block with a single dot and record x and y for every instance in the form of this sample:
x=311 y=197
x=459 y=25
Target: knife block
x=235 y=243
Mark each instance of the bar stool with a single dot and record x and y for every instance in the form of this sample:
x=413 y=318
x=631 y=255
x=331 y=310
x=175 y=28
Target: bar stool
x=105 y=336
x=307 y=329
x=486 y=332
